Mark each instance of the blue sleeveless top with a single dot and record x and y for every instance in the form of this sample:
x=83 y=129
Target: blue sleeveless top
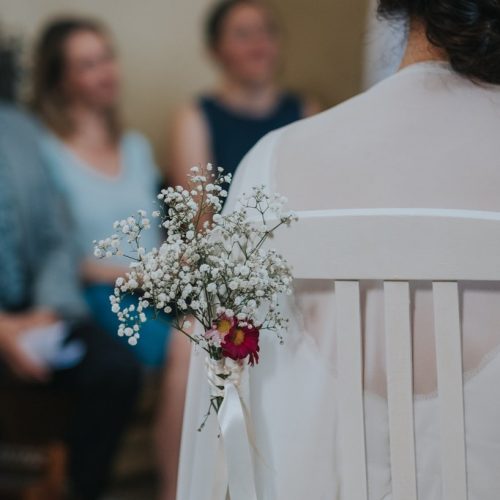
x=233 y=134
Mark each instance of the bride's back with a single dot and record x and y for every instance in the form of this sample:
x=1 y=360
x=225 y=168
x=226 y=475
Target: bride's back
x=425 y=137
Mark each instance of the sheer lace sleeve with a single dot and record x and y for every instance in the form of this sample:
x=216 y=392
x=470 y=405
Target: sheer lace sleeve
x=256 y=169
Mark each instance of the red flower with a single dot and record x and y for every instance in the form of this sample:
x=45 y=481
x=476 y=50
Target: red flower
x=242 y=342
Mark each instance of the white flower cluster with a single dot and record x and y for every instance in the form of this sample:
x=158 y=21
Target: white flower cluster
x=210 y=265
x=129 y=229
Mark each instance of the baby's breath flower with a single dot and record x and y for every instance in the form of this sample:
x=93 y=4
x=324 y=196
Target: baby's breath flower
x=205 y=269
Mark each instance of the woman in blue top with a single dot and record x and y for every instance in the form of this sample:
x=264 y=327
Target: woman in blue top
x=222 y=126
x=105 y=174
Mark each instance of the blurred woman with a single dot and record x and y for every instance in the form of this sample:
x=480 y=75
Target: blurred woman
x=104 y=172
x=224 y=124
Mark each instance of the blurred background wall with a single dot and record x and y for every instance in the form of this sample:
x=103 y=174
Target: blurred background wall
x=164 y=61
x=324 y=41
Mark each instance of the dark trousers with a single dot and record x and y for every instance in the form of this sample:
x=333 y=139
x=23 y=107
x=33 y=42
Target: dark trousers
x=103 y=391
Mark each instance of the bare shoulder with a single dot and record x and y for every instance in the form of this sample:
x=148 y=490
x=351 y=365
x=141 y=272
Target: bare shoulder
x=189 y=142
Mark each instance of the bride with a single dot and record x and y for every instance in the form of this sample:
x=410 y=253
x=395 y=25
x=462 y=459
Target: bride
x=426 y=137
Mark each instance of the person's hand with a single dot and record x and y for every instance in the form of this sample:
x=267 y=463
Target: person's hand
x=39 y=318
x=11 y=327
x=17 y=323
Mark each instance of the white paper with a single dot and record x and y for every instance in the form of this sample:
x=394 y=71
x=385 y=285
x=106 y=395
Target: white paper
x=46 y=346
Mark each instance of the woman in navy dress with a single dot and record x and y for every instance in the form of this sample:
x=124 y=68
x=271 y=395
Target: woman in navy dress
x=223 y=125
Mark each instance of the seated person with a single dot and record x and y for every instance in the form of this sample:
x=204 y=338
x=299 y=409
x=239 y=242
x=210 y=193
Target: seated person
x=103 y=172
x=38 y=294
x=244 y=41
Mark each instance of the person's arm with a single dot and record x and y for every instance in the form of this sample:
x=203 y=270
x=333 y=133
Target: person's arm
x=95 y=271
x=11 y=327
x=20 y=322
x=56 y=283
x=189 y=144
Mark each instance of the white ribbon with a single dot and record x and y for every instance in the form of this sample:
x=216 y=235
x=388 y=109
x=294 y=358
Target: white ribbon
x=237 y=471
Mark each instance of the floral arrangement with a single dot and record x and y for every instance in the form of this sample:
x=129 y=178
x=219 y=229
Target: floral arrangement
x=211 y=267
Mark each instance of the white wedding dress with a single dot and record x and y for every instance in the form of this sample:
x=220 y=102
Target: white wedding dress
x=423 y=138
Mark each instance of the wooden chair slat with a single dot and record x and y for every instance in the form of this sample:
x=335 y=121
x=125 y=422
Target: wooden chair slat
x=451 y=394
x=350 y=376
x=400 y=390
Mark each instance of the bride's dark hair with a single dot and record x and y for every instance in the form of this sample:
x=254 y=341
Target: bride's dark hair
x=467 y=30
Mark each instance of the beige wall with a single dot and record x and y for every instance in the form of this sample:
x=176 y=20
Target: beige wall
x=164 y=61
x=325 y=44
x=159 y=43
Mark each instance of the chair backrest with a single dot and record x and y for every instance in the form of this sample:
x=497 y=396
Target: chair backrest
x=397 y=246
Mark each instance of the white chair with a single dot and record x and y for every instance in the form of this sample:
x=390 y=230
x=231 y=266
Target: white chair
x=397 y=246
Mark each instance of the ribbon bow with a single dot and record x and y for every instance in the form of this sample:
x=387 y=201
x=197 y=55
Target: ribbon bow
x=235 y=465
